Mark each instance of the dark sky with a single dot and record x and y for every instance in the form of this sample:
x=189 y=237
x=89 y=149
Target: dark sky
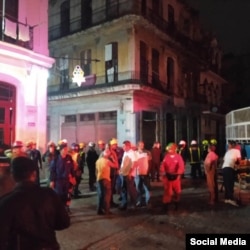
x=229 y=19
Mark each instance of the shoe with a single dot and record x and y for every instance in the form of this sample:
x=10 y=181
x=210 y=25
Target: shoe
x=100 y=212
x=232 y=202
x=226 y=201
x=138 y=204
x=123 y=208
x=113 y=204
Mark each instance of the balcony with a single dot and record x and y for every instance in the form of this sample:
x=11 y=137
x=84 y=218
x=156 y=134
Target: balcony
x=17 y=33
x=123 y=8
x=97 y=82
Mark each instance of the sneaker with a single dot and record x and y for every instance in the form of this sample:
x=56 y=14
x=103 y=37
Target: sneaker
x=233 y=203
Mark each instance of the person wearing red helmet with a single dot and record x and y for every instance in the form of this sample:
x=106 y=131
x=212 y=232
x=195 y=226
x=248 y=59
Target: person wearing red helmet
x=171 y=169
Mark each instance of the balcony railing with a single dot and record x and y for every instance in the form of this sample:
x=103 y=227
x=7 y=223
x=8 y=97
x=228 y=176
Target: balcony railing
x=130 y=77
x=125 y=7
x=17 y=33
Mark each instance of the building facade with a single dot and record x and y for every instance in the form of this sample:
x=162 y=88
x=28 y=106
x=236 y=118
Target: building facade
x=149 y=73
x=24 y=64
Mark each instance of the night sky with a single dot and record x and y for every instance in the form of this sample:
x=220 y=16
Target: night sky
x=230 y=21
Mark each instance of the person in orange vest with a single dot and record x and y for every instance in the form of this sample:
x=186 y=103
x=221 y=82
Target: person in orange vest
x=172 y=168
x=195 y=159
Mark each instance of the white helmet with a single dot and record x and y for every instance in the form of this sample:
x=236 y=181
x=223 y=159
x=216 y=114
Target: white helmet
x=91 y=144
x=182 y=142
x=193 y=142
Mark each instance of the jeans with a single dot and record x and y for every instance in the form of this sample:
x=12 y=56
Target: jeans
x=128 y=188
x=228 y=179
x=103 y=194
x=142 y=187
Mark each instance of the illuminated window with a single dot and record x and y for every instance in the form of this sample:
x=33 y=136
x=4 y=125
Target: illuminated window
x=63 y=66
x=112 y=115
x=87 y=117
x=70 y=118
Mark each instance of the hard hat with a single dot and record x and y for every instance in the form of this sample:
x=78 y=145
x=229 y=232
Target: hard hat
x=101 y=142
x=205 y=142
x=62 y=144
x=171 y=147
x=17 y=144
x=91 y=144
x=29 y=143
x=81 y=145
x=213 y=141
x=182 y=142
x=113 y=141
x=193 y=142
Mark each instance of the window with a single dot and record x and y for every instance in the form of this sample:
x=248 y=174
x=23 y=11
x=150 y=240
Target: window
x=64 y=72
x=65 y=18
x=86 y=61
x=143 y=62
x=155 y=66
x=171 y=22
x=170 y=75
x=157 y=7
x=86 y=13
x=87 y=117
x=111 y=62
x=70 y=118
x=112 y=9
x=111 y=115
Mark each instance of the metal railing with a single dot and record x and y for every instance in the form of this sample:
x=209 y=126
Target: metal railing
x=16 y=33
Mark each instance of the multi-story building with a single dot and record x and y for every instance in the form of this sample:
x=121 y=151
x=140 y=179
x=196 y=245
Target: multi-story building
x=24 y=64
x=149 y=72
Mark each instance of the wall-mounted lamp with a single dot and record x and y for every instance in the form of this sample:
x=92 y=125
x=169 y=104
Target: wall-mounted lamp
x=78 y=75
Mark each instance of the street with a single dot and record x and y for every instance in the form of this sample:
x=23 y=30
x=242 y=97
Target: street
x=143 y=228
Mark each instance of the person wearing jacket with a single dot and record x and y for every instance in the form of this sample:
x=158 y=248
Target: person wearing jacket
x=172 y=168
x=62 y=174
x=30 y=214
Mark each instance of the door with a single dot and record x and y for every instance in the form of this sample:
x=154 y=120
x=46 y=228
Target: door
x=7 y=113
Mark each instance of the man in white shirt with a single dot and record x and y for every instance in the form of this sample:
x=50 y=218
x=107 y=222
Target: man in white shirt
x=127 y=171
x=231 y=158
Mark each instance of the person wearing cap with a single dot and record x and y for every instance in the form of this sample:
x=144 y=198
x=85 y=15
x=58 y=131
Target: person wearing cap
x=116 y=179
x=91 y=158
x=103 y=167
x=62 y=175
x=172 y=168
x=230 y=160
x=195 y=159
x=74 y=152
x=210 y=168
x=82 y=154
x=17 y=150
x=30 y=214
x=35 y=155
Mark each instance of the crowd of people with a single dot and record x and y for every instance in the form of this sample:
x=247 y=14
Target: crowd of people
x=126 y=171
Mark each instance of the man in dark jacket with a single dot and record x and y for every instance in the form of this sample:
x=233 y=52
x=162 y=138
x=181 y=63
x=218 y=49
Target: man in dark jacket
x=30 y=214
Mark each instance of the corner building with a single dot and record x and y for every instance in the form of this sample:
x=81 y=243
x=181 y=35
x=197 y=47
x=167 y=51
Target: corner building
x=24 y=64
x=150 y=73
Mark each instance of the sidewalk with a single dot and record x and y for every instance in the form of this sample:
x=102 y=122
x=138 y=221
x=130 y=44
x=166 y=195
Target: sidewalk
x=150 y=229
